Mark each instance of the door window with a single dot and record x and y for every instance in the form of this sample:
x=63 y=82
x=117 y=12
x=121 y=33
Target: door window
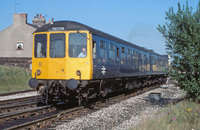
x=57 y=45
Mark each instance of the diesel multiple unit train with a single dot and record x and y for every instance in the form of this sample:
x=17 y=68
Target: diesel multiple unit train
x=74 y=61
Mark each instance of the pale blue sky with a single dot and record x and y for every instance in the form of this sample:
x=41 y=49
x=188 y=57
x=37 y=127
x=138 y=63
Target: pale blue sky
x=131 y=20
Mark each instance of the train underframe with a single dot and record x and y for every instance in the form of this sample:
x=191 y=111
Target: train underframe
x=83 y=91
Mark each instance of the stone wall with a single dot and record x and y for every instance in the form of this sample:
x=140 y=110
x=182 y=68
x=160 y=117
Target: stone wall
x=16 y=61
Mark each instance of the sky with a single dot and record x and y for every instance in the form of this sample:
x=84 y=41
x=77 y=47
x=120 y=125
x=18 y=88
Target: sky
x=134 y=21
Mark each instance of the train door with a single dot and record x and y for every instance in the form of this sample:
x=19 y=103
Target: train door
x=139 y=63
x=117 y=61
x=57 y=54
x=112 y=59
x=103 y=59
x=151 y=64
x=95 y=59
x=100 y=61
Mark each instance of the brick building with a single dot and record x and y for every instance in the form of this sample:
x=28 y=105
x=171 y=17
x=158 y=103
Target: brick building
x=16 y=40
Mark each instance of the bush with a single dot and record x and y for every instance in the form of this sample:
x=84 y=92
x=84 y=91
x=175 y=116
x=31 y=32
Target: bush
x=183 y=45
x=182 y=116
x=13 y=79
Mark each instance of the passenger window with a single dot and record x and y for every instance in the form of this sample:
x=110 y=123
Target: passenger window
x=40 y=49
x=78 y=45
x=117 y=54
x=57 y=45
x=94 y=48
x=134 y=57
x=143 y=58
x=123 y=56
x=111 y=53
x=129 y=56
x=137 y=59
x=103 y=56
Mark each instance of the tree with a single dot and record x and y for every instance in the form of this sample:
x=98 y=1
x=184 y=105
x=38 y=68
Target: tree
x=182 y=37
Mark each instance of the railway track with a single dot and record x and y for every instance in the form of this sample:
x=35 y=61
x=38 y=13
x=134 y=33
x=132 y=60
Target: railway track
x=19 y=100
x=12 y=105
x=18 y=92
x=47 y=118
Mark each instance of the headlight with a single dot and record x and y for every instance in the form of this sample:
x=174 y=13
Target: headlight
x=38 y=72
x=33 y=83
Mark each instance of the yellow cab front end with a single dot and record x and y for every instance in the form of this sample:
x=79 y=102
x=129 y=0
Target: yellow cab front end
x=62 y=55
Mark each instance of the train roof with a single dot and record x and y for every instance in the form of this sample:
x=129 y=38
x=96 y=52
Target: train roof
x=71 y=25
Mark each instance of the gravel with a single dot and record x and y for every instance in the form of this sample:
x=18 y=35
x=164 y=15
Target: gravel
x=125 y=114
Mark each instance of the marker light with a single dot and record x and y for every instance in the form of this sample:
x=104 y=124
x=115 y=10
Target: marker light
x=78 y=73
x=38 y=72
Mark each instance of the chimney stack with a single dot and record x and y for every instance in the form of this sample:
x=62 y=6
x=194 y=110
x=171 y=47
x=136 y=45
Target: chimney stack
x=40 y=21
x=19 y=18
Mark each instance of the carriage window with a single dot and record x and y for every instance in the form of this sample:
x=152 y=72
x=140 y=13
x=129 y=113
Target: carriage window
x=123 y=56
x=78 y=45
x=94 y=49
x=40 y=46
x=57 y=45
x=137 y=58
x=117 y=54
x=143 y=59
x=129 y=56
x=103 y=51
x=134 y=57
x=111 y=53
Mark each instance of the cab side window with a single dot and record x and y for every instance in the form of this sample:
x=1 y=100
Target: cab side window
x=78 y=45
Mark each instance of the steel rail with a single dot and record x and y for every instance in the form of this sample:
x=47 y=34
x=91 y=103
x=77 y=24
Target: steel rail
x=18 y=100
x=18 y=92
x=47 y=120
x=16 y=107
x=24 y=113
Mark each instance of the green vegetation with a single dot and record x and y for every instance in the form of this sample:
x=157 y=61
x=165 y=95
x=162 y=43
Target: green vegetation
x=182 y=34
x=13 y=79
x=183 y=116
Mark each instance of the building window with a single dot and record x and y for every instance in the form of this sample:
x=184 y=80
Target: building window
x=19 y=45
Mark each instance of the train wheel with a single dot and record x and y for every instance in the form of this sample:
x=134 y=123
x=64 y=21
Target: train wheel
x=102 y=98
x=80 y=98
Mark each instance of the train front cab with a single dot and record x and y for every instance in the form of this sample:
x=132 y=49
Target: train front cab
x=56 y=56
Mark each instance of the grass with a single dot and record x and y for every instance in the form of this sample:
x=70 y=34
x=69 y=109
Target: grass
x=182 y=116
x=13 y=79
